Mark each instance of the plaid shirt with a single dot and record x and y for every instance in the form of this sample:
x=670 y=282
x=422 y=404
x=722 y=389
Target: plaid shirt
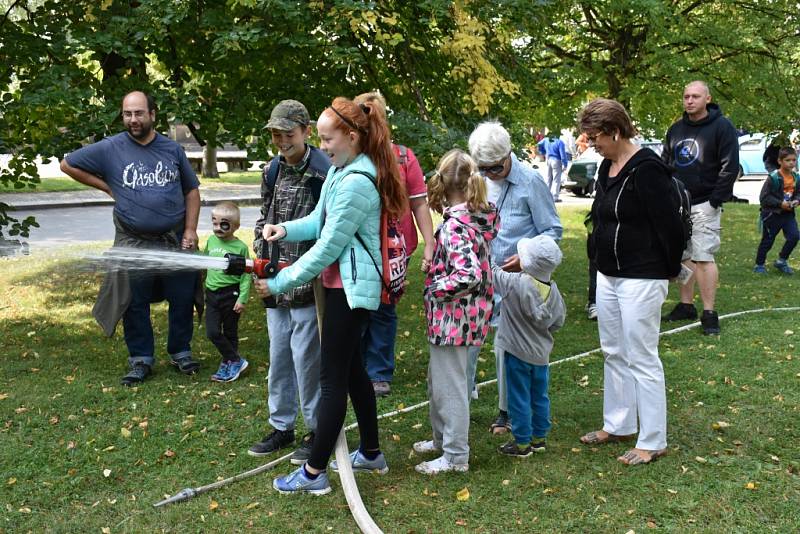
x=290 y=199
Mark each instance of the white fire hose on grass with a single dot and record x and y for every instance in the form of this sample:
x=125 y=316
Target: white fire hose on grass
x=349 y=486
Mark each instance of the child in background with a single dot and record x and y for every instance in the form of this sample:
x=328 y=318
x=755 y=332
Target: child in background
x=226 y=294
x=532 y=310
x=458 y=303
x=780 y=195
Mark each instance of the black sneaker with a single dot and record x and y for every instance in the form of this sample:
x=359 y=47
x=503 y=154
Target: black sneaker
x=512 y=449
x=539 y=446
x=303 y=452
x=710 y=322
x=136 y=375
x=276 y=440
x=682 y=312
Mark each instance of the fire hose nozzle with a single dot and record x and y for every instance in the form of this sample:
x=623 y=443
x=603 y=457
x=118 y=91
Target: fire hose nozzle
x=182 y=495
x=261 y=267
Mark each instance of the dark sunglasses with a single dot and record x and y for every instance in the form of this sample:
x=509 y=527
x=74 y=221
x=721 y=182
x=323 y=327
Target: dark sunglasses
x=494 y=169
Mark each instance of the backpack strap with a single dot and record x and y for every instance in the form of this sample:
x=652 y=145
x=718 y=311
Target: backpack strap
x=359 y=238
x=272 y=172
x=316 y=161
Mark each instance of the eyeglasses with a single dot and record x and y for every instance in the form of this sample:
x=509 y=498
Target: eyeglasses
x=593 y=137
x=139 y=114
x=494 y=169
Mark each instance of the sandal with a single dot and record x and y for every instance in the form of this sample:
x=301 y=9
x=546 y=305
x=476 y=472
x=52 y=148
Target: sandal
x=186 y=365
x=634 y=456
x=501 y=425
x=593 y=438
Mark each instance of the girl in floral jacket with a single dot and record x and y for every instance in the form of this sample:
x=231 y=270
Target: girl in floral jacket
x=458 y=304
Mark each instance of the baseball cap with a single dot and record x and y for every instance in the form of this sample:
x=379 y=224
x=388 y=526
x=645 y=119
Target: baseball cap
x=539 y=256
x=288 y=114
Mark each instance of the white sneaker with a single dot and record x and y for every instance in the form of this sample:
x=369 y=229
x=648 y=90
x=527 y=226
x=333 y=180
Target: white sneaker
x=474 y=394
x=440 y=465
x=424 y=447
x=591 y=312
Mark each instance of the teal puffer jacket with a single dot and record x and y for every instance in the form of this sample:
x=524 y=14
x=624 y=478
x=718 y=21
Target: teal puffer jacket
x=349 y=203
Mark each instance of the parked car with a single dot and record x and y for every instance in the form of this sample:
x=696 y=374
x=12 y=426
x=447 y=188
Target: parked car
x=751 y=152
x=583 y=173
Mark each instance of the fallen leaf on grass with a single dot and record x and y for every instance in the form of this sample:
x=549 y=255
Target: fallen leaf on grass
x=11 y=481
x=461 y=522
x=125 y=432
x=463 y=495
x=3 y=396
x=672 y=491
x=584 y=381
x=575 y=449
x=213 y=505
x=651 y=524
x=106 y=473
x=418 y=425
x=169 y=453
x=719 y=425
x=506 y=482
x=750 y=485
x=109 y=448
x=251 y=505
x=105 y=530
x=70 y=445
x=395 y=437
x=700 y=459
x=788 y=333
x=24 y=510
x=21 y=409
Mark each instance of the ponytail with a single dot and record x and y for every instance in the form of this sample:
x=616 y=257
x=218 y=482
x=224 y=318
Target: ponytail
x=476 y=192
x=375 y=142
x=457 y=171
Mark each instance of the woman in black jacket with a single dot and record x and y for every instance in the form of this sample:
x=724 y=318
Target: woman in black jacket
x=638 y=245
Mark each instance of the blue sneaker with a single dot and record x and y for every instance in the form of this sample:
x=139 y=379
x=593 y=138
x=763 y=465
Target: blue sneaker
x=235 y=369
x=362 y=465
x=222 y=373
x=783 y=267
x=298 y=482
x=760 y=269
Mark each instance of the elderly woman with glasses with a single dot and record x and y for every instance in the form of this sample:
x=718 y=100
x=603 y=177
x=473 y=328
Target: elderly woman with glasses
x=639 y=241
x=526 y=209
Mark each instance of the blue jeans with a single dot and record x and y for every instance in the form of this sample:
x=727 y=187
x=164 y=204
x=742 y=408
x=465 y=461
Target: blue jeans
x=178 y=290
x=528 y=402
x=772 y=226
x=378 y=343
x=294 y=360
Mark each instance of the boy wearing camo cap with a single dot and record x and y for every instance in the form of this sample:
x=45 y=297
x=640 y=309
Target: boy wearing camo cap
x=290 y=189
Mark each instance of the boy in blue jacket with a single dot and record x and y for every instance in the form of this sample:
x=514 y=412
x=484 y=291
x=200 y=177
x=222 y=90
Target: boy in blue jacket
x=780 y=195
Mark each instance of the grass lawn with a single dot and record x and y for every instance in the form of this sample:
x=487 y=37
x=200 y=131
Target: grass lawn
x=81 y=453
x=51 y=185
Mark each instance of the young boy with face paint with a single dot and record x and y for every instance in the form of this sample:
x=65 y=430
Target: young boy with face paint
x=226 y=294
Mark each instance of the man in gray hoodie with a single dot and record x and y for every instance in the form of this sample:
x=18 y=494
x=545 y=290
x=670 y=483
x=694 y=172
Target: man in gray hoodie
x=532 y=310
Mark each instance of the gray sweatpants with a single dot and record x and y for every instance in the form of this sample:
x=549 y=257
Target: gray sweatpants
x=449 y=395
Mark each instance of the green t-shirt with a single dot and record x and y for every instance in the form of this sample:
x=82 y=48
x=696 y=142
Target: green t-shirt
x=216 y=279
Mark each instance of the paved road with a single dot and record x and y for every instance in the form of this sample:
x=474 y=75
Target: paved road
x=65 y=226
x=68 y=226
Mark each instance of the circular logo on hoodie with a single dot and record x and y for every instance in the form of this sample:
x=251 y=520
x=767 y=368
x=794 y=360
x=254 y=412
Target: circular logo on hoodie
x=686 y=152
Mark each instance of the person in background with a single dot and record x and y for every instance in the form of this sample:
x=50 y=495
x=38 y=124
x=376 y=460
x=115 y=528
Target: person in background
x=780 y=196
x=557 y=160
x=379 y=337
x=703 y=150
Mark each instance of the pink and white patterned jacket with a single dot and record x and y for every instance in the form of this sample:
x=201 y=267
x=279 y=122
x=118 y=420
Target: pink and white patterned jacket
x=458 y=289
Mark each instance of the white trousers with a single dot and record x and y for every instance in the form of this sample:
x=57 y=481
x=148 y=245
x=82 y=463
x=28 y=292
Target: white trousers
x=629 y=316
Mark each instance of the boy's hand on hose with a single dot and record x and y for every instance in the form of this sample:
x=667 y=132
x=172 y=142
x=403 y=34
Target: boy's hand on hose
x=273 y=232
x=238 y=307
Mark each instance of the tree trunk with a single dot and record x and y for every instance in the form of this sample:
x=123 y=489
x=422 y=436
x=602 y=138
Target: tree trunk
x=209 y=168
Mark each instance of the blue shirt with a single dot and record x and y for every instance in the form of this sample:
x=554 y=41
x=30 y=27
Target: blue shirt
x=553 y=148
x=148 y=182
x=526 y=209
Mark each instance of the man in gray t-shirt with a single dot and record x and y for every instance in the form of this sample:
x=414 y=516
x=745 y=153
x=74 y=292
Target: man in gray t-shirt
x=157 y=206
